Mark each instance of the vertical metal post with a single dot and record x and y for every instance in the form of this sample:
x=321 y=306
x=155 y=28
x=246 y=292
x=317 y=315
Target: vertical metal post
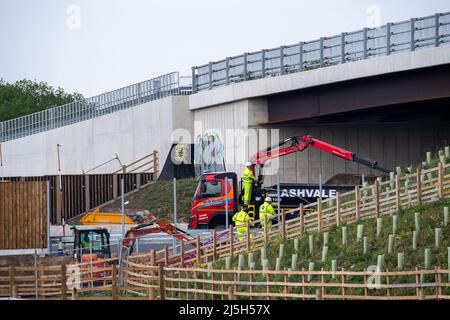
x=388 y=38
x=343 y=47
x=413 y=34
x=321 y=51
x=245 y=66
x=122 y=200
x=210 y=73
x=282 y=60
x=278 y=198
x=365 y=39
x=194 y=80
x=49 y=245
x=174 y=212
x=320 y=185
x=263 y=63
x=300 y=55
x=436 y=29
x=227 y=224
x=227 y=70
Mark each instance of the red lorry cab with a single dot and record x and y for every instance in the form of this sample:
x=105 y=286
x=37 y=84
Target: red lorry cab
x=208 y=205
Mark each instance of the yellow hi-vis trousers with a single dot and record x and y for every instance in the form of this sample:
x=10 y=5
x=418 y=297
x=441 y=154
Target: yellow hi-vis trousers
x=242 y=231
x=247 y=192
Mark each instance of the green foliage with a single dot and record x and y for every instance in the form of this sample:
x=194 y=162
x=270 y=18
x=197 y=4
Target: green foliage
x=25 y=97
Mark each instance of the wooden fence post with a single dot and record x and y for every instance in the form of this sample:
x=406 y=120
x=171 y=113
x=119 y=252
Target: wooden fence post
x=162 y=287
x=166 y=255
x=338 y=208
x=114 y=282
x=419 y=186
x=357 y=202
x=398 y=200
x=440 y=182
x=231 y=241
x=199 y=253
x=319 y=214
x=214 y=246
x=230 y=293
x=283 y=225
x=302 y=217
x=182 y=254
x=63 y=282
x=343 y=283
x=155 y=164
x=12 y=281
x=438 y=281
x=377 y=198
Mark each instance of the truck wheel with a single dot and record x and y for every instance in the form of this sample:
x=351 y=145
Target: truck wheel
x=219 y=227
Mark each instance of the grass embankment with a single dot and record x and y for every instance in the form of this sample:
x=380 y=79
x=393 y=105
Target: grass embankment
x=351 y=256
x=158 y=199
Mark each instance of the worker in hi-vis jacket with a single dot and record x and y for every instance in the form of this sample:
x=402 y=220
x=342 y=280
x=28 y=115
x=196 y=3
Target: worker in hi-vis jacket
x=248 y=179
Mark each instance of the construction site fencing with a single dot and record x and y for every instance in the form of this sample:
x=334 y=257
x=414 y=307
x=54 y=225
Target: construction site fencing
x=380 y=199
x=77 y=111
x=72 y=195
x=150 y=282
x=408 y=35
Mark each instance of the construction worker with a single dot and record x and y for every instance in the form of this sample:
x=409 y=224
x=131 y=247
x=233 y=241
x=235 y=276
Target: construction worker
x=248 y=179
x=266 y=210
x=86 y=243
x=240 y=220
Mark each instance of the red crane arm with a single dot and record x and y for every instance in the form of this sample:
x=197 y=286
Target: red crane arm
x=300 y=143
x=154 y=226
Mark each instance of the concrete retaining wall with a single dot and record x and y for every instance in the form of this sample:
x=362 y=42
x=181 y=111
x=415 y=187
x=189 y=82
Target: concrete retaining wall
x=131 y=133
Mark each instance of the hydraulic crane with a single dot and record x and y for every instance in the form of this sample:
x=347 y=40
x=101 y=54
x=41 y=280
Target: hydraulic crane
x=208 y=205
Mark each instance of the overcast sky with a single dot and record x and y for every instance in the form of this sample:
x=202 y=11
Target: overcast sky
x=93 y=46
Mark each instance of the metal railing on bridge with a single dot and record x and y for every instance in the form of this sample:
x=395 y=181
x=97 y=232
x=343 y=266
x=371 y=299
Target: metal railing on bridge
x=120 y=99
x=409 y=35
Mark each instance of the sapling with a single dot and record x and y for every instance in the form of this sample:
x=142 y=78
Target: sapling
x=311 y=244
x=359 y=232
x=324 y=253
x=427 y=258
x=344 y=235
x=365 y=245
x=278 y=264
x=380 y=262
x=428 y=157
x=228 y=263
x=379 y=226
x=281 y=250
x=437 y=237
x=446 y=216
x=310 y=269
x=294 y=262
x=250 y=259
x=414 y=240
x=296 y=244
x=334 y=268
x=394 y=224
x=400 y=260
x=390 y=244
x=325 y=238
x=417 y=221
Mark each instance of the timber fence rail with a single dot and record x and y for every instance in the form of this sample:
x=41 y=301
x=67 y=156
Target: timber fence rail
x=371 y=201
x=147 y=282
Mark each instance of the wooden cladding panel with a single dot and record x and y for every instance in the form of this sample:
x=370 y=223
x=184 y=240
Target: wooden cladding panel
x=23 y=215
